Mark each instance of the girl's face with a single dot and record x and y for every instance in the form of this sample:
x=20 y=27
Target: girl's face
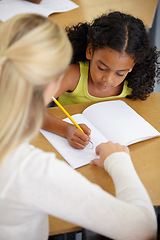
x=108 y=67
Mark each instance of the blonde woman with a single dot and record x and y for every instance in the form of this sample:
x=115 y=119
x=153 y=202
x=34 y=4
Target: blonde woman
x=34 y=53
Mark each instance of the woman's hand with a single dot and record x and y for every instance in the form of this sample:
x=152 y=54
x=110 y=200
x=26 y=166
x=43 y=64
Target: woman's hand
x=106 y=149
x=76 y=138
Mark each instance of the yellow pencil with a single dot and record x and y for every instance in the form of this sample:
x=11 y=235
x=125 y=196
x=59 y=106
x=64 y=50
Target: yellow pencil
x=67 y=114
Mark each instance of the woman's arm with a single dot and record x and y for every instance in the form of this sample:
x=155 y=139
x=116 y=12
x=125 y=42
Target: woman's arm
x=133 y=209
x=68 y=195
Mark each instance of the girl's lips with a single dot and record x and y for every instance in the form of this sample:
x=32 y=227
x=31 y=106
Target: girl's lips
x=104 y=86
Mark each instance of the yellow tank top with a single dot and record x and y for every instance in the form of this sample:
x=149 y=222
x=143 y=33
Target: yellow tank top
x=80 y=94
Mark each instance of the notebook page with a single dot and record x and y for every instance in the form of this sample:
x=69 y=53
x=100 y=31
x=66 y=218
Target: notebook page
x=119 y=122
x=58 y=5
x=10 y=8
x=76 y=157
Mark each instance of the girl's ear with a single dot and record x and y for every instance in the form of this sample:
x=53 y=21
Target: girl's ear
x=89 y=51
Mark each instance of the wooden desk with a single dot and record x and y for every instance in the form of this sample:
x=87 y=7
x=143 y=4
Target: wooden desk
x=145 y=156
x=89 y=9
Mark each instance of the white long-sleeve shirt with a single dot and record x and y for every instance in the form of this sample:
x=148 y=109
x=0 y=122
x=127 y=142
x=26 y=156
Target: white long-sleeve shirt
x=34 y=184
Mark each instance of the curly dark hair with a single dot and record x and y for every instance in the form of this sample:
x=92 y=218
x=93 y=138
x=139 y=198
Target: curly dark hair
x=123 y=33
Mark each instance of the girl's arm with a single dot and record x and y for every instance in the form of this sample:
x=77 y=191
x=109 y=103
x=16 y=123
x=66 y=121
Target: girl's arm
x=69 y=80
x=75 y=137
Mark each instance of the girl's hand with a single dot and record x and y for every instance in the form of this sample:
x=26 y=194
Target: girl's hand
x=106 y=149
x=76 y=138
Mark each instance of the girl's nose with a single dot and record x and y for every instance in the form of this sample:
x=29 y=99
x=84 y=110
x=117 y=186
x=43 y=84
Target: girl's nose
x=108 y=78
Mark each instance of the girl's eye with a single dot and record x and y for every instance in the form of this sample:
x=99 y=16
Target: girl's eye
x=101 y=68
x=120 y=75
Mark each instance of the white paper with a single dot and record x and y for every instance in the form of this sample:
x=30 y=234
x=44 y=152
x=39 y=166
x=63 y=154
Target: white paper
x=10 y=8
x=119 y=122
x=76 y=157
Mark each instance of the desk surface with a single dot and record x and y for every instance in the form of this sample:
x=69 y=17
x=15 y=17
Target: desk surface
x=145 y=156
x=89 y=9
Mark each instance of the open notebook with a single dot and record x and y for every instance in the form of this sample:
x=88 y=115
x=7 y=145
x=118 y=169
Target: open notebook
x=109 y=121
x=10 y=8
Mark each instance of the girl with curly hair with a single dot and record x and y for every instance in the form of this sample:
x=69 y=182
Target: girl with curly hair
x=112 y=58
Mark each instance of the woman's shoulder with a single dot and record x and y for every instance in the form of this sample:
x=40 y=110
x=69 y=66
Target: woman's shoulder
x=27 y=149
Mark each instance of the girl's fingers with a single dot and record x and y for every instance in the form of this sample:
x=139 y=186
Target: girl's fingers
x=86 y=129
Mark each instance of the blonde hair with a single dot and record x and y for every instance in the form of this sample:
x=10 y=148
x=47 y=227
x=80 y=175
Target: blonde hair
x=33 y=52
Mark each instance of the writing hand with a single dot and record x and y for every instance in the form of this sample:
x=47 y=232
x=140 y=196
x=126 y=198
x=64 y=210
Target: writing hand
x=76 y=138
x=106 y=149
